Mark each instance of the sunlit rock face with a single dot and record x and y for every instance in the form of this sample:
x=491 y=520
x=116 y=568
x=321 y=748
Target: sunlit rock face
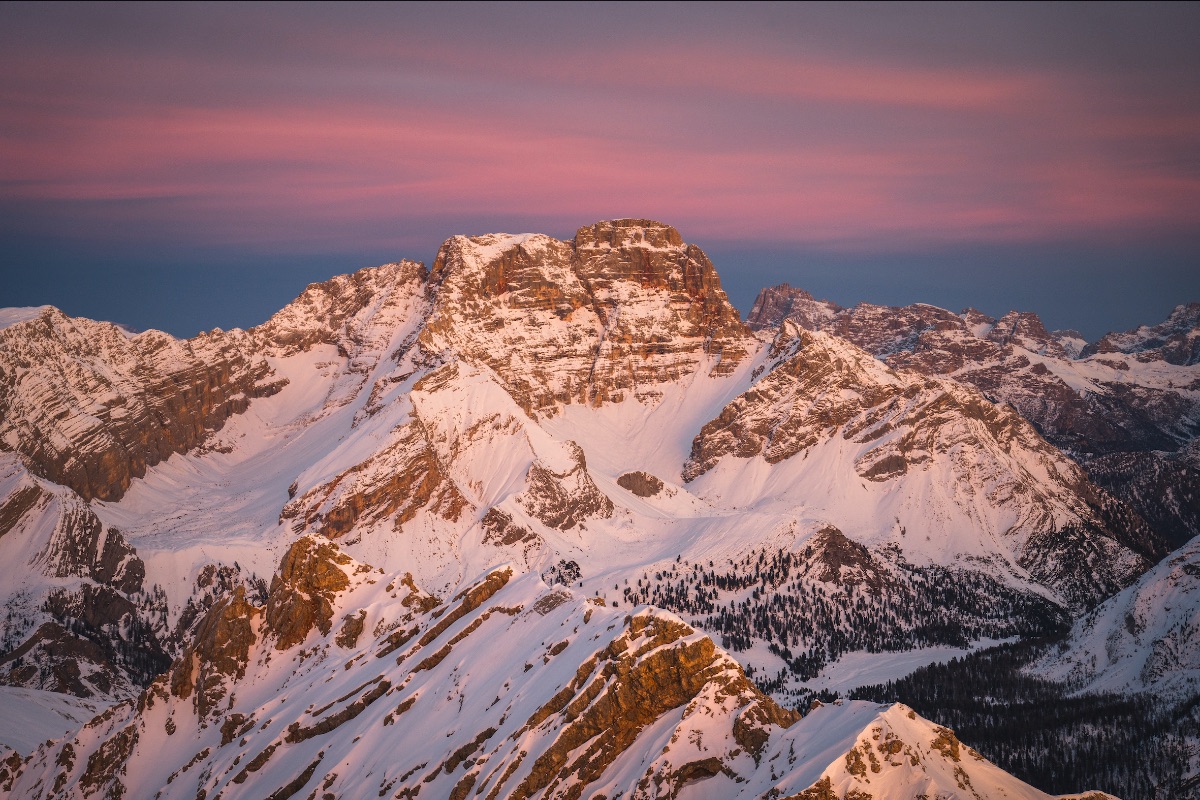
x=905 y=428
x=92 y=407
x=1126 y=407
x=622 y=310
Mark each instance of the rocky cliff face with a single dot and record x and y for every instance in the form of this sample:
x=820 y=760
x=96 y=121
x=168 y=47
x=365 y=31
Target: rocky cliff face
x=777 y=303
x=1125 y=408
x=532 y=690
x=357 y=313
x=91 y=407
x=900 y=425
x=1175 y=340
x=78 y=618
x=623 y=309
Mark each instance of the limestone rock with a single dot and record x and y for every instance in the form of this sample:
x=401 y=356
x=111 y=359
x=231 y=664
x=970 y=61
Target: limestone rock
x=302 y=591
x=393 y=484
x=774 y=304
x=621 y=310
x=1176 y=340
x=821 y=389
x=564 y=499
x=91 y=407
x=643 y=484
x=1120 y=421
x=219 y=655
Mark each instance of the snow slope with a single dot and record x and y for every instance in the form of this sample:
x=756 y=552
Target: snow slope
x=1146 y=638
x=33 y=717
x=532 y=690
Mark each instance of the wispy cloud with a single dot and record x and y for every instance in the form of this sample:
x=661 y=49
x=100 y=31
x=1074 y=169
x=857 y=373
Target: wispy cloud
x=267 y=125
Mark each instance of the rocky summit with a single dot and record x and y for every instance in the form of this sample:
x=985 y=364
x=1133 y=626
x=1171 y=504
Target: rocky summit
x=1126 y=408
x=546 y=519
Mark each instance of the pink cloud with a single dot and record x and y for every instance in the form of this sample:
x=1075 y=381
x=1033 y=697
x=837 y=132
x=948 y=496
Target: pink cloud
x=732 y=143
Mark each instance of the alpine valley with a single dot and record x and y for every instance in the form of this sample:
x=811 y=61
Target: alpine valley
x=549 y=520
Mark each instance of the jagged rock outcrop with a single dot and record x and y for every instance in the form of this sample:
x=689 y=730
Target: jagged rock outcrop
x=218 y=654
x=615 y=256
x=392 y=485
x=564 y=499
x=91 y=407
x=901 y=426
x=1175 y=340
x=845 y=562
x=80 y=546
x=310 y=576
x=643 y=484
x=90 y=629
x=623 y=309
x=774 y=304
x=1123 y=407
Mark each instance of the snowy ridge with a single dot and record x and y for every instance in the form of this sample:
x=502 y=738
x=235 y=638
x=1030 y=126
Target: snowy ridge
x=535 y=692
x=92 y=408
x=592 y=411
x=15 y=314
x=1176 y=340
x=932 y=445
x=1146 y=638
x=1126 y=408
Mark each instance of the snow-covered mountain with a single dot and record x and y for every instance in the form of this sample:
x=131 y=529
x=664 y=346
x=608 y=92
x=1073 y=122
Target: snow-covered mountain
x=589 y=414
x=359 y=683
x=1127 y=407
x=1176 y=340
x=1145 y=638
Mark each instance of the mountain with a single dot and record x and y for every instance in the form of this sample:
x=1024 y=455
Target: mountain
x=358 y=683
x=1175 y=341
x=389 y=491
x=1126 y=408
x=1145 y=638
x=91 y=407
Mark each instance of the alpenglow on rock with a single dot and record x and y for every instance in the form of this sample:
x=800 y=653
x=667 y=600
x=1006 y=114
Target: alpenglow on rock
x=416 y=454
x=1127 y=407
x=621 y=311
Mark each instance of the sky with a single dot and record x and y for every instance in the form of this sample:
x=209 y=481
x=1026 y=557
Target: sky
x=193 y=166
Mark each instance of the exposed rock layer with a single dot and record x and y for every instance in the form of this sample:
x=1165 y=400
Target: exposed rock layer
x=91 y=407
x=1123 y=407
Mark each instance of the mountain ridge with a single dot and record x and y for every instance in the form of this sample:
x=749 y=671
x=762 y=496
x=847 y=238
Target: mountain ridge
x=592 y=408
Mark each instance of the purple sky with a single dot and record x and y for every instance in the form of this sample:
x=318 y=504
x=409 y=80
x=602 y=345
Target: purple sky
x=189 y=166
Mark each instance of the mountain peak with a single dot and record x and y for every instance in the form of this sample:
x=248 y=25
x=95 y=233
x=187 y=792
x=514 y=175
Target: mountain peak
x=1025 y=329
x=777 y=303
x=17 y=314
x=623 y=309
x=1176 y=340
x=628 y=233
